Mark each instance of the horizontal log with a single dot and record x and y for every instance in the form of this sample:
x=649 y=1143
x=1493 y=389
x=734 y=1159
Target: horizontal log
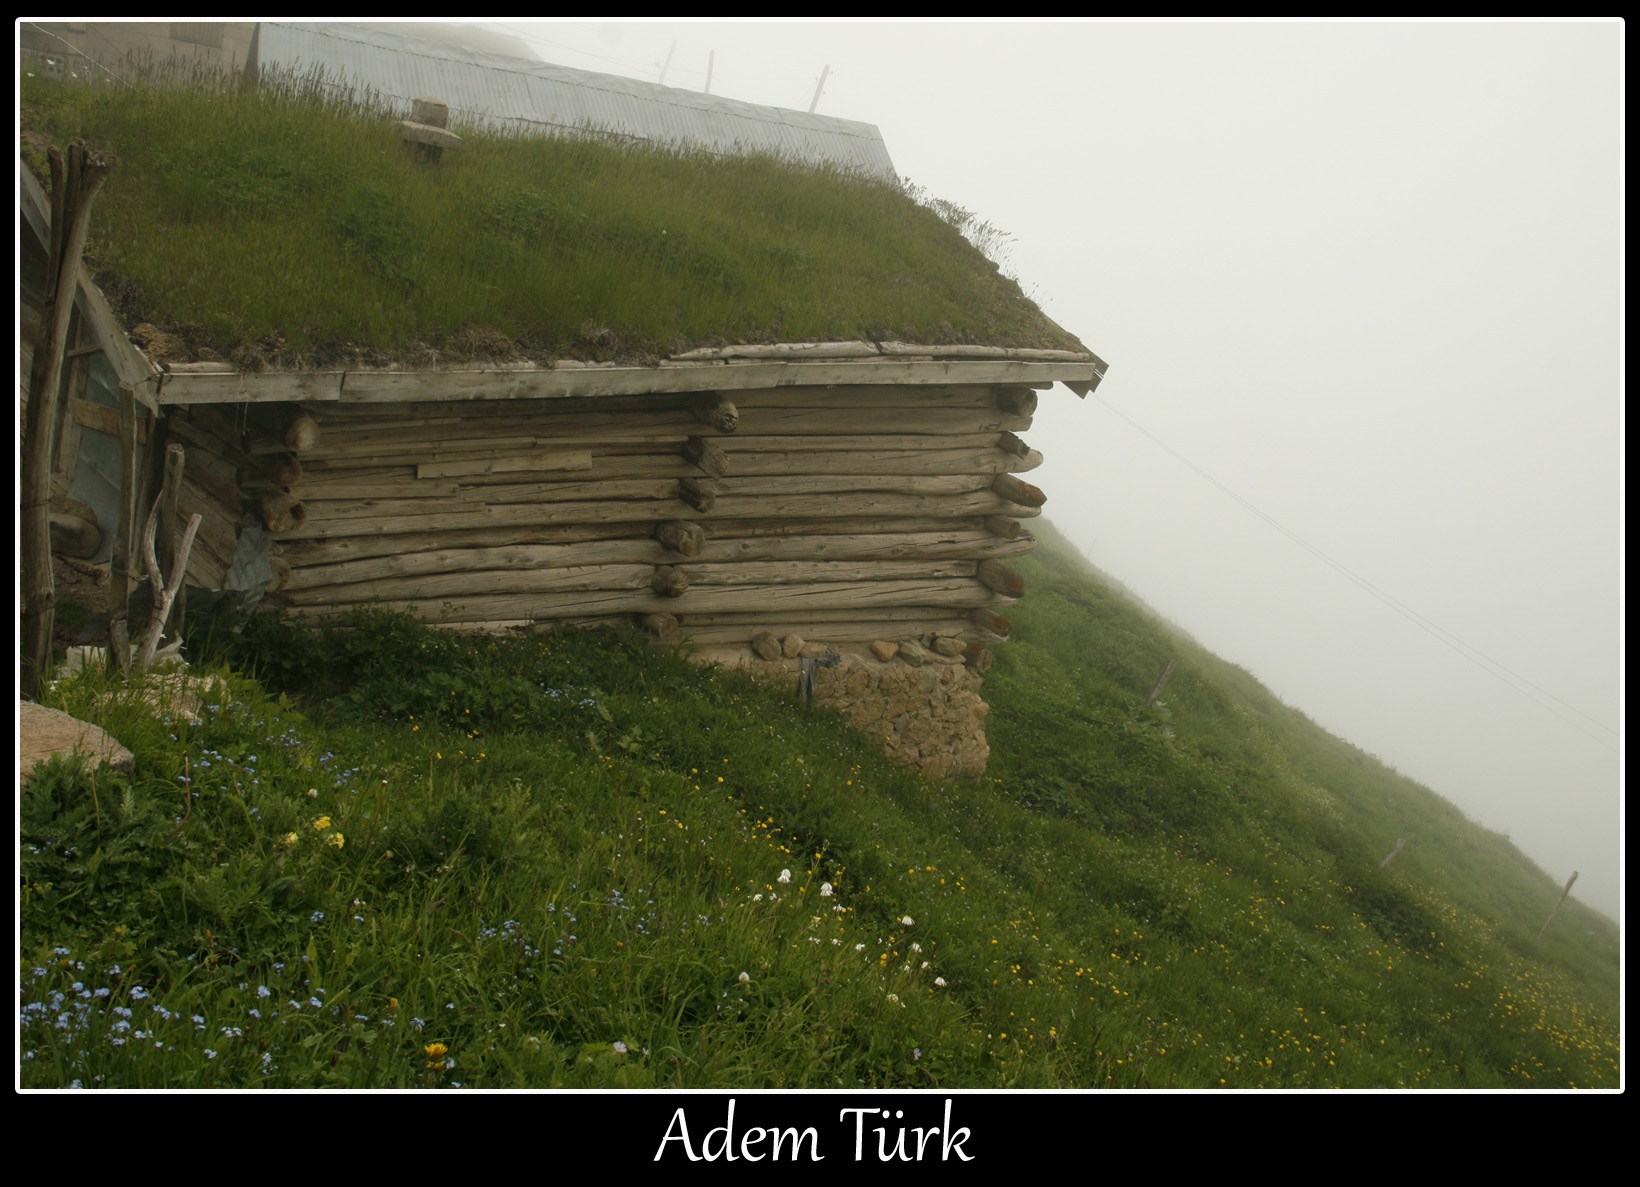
x=934 y=595
x=669 y=581
x=681 y=537
x=998 y=576
x=1017 y=490
x=708 y=457
x=859 y=631
x=280 y=512
x=334 y=549
x=808 y=572
x=464 y=584
x=716 y=412
x=546 y=462
x=1017 y=401
x=699 y=493
x=451 y=558
x=74 y=535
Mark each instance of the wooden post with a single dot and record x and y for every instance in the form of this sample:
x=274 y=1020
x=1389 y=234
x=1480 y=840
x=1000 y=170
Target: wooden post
x=1393 y=854
x=74 y=186
x=121 y=563
x=164 y=592
x=1538 y=943
x=1161 y=683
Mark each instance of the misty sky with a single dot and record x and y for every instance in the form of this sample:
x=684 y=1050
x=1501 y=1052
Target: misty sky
x=1366 y=277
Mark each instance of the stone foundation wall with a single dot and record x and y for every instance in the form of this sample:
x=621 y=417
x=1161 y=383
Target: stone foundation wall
x=925 y=708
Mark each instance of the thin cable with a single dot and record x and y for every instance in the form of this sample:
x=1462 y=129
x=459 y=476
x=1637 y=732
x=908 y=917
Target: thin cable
x=81 y=53
x=1468 y=651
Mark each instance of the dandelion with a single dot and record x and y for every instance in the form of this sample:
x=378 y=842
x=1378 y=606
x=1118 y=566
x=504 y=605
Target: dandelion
x=435 y=1051
x=825 y=890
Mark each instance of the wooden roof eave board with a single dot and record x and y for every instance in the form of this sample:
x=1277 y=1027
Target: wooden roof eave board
x=130 y=365
x=215 y=386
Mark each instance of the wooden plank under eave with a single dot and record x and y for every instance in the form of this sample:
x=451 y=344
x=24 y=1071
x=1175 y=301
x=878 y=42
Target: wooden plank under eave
x=260 y=387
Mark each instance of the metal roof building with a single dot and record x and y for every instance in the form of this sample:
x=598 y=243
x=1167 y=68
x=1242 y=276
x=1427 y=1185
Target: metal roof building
x=484 y=88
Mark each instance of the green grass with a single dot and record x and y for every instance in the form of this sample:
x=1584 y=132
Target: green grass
x=284 y=227
x=556 y=845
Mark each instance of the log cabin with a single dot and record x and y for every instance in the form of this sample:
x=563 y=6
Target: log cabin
x=841 y=511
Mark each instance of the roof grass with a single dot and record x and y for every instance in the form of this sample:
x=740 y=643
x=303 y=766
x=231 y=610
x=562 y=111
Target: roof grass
x=291 y=227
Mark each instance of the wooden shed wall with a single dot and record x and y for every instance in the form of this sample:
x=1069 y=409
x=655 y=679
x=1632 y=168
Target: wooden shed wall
x=844 y=514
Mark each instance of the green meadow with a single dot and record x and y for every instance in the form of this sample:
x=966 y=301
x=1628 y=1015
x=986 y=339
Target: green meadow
x=389 y=857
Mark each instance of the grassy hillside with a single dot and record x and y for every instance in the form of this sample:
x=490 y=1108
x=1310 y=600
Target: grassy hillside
x=283 y=227
x=571 y=860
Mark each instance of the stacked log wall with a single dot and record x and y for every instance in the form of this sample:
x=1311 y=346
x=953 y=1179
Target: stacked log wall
x=874 y=522
x=856 y=513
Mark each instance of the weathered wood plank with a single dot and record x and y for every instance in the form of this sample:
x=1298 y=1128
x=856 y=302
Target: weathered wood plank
x=462 y=584
x=565 y=381
x=548 y=462
x=955 y=594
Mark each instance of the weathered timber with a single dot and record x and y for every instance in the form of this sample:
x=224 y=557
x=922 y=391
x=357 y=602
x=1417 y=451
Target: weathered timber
x=663 y=626
x=792 y=599
x=806 y=572
x=165 y=591
x=713 y=410
x=681 y=536
x=699 y=493
x=122 y=565
x=329 y=549
x=669 y=581
x=75 y=184
x=1012 y=443
x=450 y=557
x=978 y=657
x=283 y=470
x=281 y=513
x=302 y=434
x=462 y=585
x=280 y=573
x=707 y=456
x=1008 y=529
x=998 y=576
x=1017 y=401
x=990 y=620
x=550 y=462
x=1017 y=490
x=331 y=388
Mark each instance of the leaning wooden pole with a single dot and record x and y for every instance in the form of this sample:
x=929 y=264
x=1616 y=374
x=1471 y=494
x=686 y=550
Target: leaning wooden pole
x=74 y=185
x=1567 y=889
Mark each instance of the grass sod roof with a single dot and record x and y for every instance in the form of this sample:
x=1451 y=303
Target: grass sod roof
x=283 y=228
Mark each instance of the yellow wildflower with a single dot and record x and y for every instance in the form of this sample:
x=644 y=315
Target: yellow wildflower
x=321 y=824
x=336 y=840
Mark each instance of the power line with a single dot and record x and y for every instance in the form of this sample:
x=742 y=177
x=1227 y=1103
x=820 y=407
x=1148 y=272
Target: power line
x=1484 y=662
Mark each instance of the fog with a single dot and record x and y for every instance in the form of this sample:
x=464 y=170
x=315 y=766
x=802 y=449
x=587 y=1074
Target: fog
x=1360 y=287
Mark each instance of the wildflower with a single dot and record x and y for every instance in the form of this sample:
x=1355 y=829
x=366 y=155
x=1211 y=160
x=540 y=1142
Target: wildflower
x=907 y=920
x=859 y=947
x=289 y=839
x=209 y=1054
x=895 y=998
x=335 y=840
x=785 y=877
x=915 y=947
x=435 y=1051
x=321 y=824
x=313 y=793
x=745 y=977
x=825 y=890
x=940 y=981
x=620 y=1047
x=317 y=917
x=263 y=991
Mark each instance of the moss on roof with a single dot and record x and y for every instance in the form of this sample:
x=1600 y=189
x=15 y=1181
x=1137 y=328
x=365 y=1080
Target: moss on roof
x=288 y=229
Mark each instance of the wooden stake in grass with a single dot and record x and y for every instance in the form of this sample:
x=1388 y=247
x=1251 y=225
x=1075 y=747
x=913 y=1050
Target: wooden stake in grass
x=1564 y=892
x=165 y=592
x=74 y=186
x=1161 y=683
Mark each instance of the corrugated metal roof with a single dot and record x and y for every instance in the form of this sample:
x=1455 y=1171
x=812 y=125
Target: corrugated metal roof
x=538 y=96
